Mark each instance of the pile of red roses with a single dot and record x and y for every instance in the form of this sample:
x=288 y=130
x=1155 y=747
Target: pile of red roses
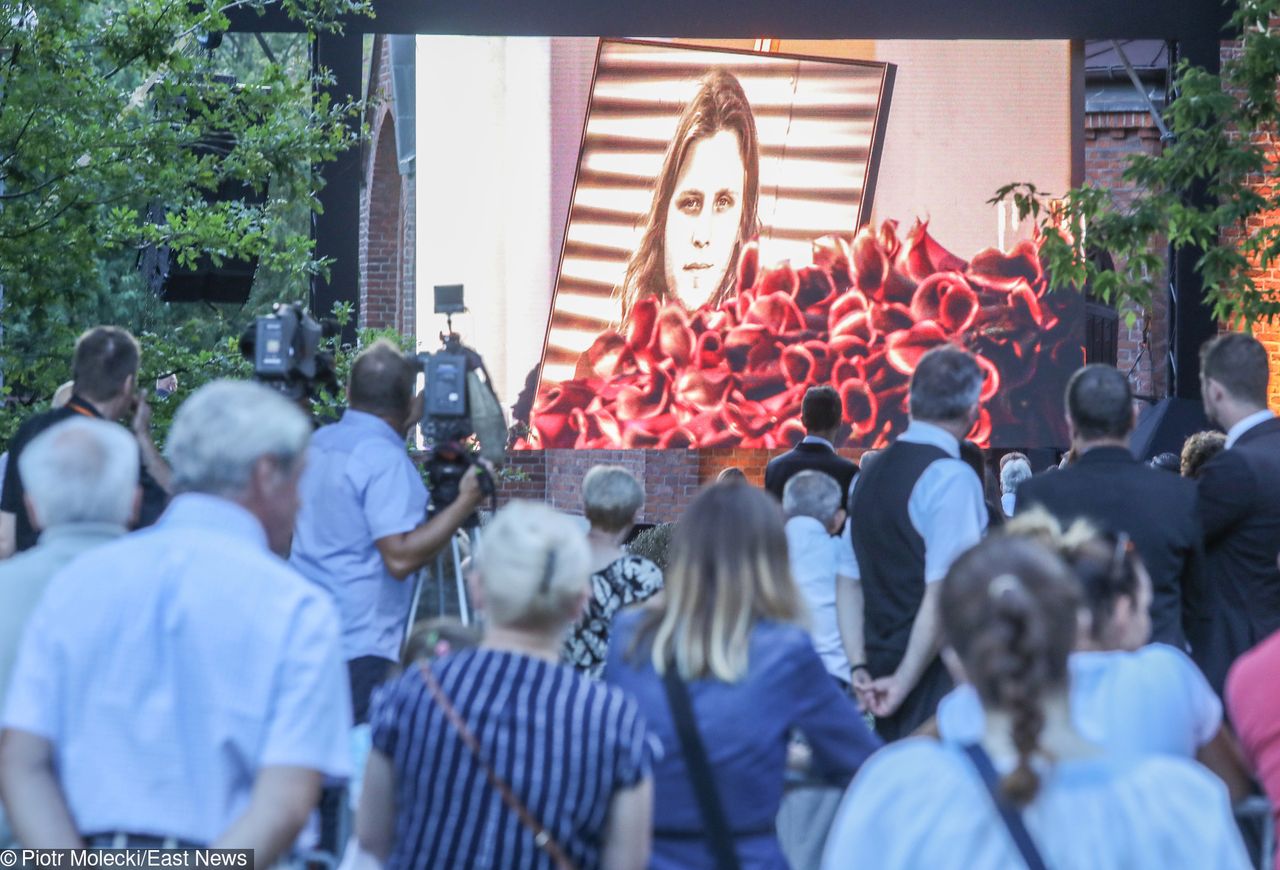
x=858 y=318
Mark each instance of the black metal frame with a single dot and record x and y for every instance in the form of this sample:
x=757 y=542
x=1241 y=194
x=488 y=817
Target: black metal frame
x=1196 y=26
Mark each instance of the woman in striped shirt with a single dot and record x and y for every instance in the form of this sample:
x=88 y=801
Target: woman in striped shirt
x=501 y=757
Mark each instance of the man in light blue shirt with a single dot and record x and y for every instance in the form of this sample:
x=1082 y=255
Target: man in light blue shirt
x=183 y=685
x=362 y=529
x=82 y=488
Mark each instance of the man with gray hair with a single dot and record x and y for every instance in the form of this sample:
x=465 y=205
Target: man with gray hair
x=182 y=686
x=82 y=491
x=822 y=565
x=914 y=512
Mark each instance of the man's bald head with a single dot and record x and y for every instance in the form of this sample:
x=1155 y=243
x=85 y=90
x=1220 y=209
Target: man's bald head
x=382 y=381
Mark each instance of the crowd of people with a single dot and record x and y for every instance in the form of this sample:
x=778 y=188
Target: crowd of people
x=1065 y=667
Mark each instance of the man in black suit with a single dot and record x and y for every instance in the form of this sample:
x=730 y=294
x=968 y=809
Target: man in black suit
x=1239 y=504
x=1109 y=487
x=821 y=412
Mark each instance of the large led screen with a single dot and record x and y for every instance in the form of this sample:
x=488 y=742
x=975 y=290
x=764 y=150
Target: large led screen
x=729 y=228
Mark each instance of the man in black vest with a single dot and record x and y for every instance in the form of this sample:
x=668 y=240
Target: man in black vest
x=821 y=412
x=105 y=374
x=913 y=513
x=1239 y=505
x=1116 y=493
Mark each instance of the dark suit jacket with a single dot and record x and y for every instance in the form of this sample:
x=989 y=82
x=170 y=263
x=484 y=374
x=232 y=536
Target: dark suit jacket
x=806 y=457
x=1107 y=486
x=1240 y=511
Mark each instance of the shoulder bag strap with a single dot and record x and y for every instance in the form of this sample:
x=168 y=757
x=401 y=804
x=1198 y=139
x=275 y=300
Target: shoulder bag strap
x=1012 y=818
x=541 y=836
x=704 y=785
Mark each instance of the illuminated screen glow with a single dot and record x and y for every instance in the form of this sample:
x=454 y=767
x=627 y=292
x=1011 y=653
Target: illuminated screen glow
x=666 y=277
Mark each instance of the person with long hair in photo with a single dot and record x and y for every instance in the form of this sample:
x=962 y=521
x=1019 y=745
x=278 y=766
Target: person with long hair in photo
x=723 y=672
x=1033 y=791
x=704 y=206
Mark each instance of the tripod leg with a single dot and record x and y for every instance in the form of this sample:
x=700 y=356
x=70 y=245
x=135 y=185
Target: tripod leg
x=464 y=612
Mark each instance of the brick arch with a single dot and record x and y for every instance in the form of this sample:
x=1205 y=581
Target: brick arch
x=382 y=243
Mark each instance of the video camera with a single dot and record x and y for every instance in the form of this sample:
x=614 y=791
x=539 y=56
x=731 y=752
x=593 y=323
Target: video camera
x=458 y=403
x=285 y=347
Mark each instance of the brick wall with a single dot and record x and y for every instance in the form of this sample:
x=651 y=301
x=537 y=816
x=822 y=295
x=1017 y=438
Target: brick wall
x=1268 y=281
x=1110 y=139
x=387 y=213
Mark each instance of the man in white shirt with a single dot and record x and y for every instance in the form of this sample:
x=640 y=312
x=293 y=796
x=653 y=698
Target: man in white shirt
x=823 y=568
x=913 y=514
x=183 y=685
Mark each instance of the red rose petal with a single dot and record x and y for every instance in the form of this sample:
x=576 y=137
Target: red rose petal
x=870 y=266
x=922 y=256
x=905 y=347
x=791 y=432
x=709 y=351
x=959 y=308
x=860 y=406
x=999 y=271
x=798 y=365
x=980 y=434
x=608 y=355
x=891 y=318
x=815 y=286
x=777 y=311
x=675 y=338
x=647 y=399
x=991 y=378
x=832 y=254
x=780 y=279
x=644 y=315
x=703 y=389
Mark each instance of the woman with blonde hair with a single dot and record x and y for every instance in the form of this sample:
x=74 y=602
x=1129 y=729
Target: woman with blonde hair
x=723 y=671
x=501 y=756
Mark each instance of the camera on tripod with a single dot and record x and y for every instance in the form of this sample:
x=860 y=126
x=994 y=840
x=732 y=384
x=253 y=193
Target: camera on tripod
x=458 y=404
x=286 y=349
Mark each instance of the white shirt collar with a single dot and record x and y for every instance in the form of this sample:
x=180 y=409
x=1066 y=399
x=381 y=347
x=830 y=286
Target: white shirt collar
x=807 y=525
x=814 y=439
x=1243 y=426
x=920 y=432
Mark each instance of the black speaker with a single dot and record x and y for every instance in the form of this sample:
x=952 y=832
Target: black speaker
x=228 y=282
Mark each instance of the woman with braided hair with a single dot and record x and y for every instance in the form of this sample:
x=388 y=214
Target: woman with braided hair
x=1127 y=695
x=1032 y=791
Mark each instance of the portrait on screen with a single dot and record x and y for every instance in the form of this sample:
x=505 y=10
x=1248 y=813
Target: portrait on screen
x=720 y=258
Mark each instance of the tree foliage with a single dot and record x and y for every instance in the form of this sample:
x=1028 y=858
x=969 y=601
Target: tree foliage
x=115 y=126
x=1213 y=189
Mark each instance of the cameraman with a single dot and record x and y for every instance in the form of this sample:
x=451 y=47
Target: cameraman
x=361 y=531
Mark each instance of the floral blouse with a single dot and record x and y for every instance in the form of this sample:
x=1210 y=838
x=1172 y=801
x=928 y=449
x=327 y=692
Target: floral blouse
x=624 y=582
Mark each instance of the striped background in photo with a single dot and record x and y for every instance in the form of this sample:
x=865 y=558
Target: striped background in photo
x=816 y=121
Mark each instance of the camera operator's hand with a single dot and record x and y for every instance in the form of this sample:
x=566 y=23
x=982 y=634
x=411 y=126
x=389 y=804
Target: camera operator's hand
x=406 y=552
x=469 y=488
x=141 y=423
